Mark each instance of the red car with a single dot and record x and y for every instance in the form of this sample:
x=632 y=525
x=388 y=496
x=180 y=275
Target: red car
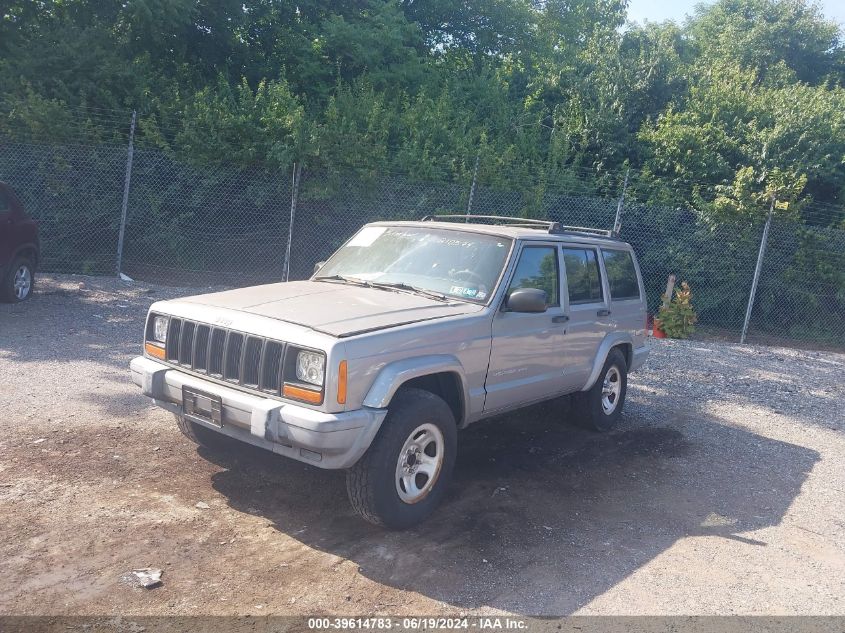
x=19 y=248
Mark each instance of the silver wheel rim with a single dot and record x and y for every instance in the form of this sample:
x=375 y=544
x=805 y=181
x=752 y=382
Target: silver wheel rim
x=419 y=463
x=610 y=390
x=22 y=282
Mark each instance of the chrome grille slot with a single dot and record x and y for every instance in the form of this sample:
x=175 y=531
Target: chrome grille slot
x=201 y=347
x=232 y=357
x=236 y=357
x=173 y=330
x=251 y=361
x=271 y=367
x=186 y=342
x=215 y=352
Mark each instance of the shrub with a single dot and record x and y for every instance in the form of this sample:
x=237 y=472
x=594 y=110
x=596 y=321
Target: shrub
x=678 y=317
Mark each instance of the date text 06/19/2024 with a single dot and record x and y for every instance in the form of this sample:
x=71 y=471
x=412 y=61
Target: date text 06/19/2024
x=484 y=623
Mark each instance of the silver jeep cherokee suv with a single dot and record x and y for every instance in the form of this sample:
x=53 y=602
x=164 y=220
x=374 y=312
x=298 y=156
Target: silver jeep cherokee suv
x=409 y=332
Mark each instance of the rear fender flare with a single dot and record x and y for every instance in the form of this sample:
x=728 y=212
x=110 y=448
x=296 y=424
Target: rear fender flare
x=610 y=341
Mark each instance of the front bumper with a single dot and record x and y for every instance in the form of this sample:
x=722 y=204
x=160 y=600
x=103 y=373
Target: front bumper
x=327 y=440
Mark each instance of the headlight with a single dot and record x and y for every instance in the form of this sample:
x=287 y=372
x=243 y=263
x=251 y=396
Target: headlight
x=160 y=324
x=310 y=367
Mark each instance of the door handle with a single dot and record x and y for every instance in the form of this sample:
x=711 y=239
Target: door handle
x=603 y=312
x=560 y=318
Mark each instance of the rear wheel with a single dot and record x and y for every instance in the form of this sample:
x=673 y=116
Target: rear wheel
x=201 y=435
x=19 y=281
x=599 y=408
x=404 y=474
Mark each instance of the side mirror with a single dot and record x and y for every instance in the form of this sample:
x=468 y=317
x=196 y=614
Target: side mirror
x=318 y=266
x=526 y=300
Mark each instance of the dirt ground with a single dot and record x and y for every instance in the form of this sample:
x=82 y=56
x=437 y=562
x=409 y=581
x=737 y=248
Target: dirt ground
x=722 y=492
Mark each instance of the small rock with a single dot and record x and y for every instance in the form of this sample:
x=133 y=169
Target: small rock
x=202 y=505
x=148 y=577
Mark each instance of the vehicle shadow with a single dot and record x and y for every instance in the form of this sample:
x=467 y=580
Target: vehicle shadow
x=542 y=517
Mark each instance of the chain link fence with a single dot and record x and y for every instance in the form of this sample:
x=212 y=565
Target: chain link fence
x=218 y=224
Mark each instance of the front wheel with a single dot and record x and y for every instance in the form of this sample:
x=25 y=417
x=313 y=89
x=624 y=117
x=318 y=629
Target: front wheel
x=404 y=474
x=19 y=281
x=599 y=408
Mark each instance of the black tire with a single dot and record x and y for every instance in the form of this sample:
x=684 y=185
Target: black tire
x=200 y=435
x=373 y=483
x=589 y=409
x=8 y=291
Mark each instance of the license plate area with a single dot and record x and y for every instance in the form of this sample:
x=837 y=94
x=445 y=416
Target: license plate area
x=200 y=406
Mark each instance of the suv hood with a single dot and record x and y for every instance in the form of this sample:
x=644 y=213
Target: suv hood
x=334 y=308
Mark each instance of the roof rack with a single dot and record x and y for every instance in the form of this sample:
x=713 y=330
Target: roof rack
x=527 y=223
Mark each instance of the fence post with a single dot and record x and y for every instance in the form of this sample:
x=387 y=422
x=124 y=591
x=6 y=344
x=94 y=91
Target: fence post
x=297 y=171
x=125 y=204
x=617 y=223
x=472 y=188
x=757 y=270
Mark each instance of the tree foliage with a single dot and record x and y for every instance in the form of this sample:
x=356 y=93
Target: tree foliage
x=742 y=102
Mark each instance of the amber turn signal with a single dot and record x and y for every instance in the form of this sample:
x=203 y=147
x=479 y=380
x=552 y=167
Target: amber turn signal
x=154 y=350
x=298 y=393
x=341 y=383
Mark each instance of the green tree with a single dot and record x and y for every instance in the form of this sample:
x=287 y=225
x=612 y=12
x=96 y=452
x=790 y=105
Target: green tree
x=760 y=34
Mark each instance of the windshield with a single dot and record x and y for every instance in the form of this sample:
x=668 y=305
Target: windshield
x=455 y=264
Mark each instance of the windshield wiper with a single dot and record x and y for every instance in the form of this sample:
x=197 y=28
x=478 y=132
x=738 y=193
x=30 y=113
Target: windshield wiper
x=345 y=279
x=408 y=287
x=383 y=285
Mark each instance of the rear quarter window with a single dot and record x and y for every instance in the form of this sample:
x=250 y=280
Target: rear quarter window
x=583 y=279
x=621 y=275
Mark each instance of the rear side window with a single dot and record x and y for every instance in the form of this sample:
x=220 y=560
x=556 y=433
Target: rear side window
x=582 y=275
x=537 y=268
x=621 y=275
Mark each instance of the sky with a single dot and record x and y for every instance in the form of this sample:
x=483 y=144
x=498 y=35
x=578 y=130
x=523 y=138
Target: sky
x=660 y=10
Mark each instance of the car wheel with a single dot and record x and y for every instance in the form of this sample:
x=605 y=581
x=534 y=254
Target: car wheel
x=405 y=473
x=599 y=408
x=199 y=434
x=19 y=282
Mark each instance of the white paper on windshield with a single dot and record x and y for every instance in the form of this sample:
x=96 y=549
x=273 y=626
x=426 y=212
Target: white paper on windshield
x=367 y=236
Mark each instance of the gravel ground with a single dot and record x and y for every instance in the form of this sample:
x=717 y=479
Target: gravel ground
x=722 y=492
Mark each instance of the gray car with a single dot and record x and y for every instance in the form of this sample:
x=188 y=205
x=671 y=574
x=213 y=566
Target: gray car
x=410 y=332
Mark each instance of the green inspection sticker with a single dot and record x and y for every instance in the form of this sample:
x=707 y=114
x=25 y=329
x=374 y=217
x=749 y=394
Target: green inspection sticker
x=463 y=291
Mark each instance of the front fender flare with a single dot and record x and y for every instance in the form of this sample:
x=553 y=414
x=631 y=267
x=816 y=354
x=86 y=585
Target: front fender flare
x=609 y=341
x=395 y=374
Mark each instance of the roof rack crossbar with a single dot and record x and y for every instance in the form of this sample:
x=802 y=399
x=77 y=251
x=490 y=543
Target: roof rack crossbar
x=502 y=219
x=585 y=229
x=525 y=223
